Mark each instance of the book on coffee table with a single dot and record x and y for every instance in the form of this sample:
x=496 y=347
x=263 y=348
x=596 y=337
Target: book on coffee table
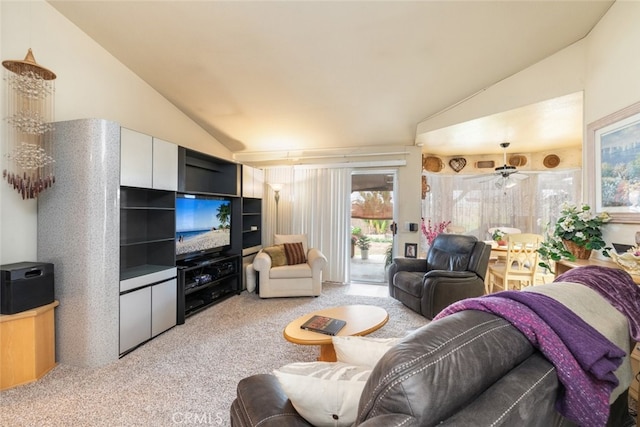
x=323 y=324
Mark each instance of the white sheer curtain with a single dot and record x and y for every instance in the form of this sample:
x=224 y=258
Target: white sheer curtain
x=476 y=204
x=284 y=177
x=314 y=201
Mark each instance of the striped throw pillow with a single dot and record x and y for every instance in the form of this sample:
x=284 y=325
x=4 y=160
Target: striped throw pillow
x=295 y=253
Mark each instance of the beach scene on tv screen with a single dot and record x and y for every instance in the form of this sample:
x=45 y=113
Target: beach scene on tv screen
x=202 y=224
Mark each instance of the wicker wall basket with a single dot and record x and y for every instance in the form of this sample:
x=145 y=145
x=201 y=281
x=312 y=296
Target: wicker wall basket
x=432 y=163
x=551 y=161
x=580 y=252
x=517 y=160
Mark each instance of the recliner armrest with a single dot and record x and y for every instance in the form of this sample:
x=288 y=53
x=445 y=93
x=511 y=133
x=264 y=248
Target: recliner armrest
x=386 y=420
x=404 y=264
x=410 y=264
x=450 y=274
x=262 y=262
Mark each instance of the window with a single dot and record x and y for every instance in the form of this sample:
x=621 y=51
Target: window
x=476 y=203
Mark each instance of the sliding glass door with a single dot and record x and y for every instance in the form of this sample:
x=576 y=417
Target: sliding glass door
x=372 y=212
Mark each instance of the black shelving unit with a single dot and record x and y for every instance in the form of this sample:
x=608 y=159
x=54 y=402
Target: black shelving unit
x=147 y=231
x=200 y=173
x=206 y=281
x=251 y=222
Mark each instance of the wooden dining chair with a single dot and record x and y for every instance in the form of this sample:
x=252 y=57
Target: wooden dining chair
x=520 y=267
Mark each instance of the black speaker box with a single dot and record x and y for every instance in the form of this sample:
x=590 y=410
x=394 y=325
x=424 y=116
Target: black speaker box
x=25 y=285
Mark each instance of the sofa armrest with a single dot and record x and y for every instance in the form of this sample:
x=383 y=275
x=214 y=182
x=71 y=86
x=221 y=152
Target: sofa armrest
x=262 y=262
x=316 y=259
x=261 y=401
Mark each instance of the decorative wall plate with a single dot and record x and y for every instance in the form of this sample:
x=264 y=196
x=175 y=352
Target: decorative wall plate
x=457 y=163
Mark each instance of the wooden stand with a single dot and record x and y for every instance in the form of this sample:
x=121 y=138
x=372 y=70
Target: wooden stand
x=27 y=345
x=564 y=265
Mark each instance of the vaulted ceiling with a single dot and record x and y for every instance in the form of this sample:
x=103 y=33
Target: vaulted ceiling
x=314 y=76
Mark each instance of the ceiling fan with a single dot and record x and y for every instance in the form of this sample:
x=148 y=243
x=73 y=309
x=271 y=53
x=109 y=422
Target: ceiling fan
x=504 y=176
x=506 y=172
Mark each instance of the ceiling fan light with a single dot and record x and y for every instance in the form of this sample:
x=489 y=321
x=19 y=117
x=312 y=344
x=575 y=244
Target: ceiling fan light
x=510 y=184
x=505 y=169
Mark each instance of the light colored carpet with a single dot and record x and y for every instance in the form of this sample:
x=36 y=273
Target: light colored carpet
x=188 y=375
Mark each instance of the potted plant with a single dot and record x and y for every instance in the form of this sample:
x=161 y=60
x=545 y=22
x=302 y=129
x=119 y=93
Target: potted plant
x=354 y=239
x=575 y=234
x=364 y=243
x=498 y=237
x=355 y=232
x=388 y=256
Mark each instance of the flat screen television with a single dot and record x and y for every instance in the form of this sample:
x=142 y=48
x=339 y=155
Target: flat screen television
x=203 y=225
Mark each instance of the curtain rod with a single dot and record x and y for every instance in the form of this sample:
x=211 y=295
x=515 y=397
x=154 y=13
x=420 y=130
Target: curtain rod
x=374 y=164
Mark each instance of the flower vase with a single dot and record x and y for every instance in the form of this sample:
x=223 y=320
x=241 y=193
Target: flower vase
x=580 y=252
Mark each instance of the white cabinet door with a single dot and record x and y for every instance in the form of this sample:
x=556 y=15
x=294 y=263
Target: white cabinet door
x=136 y=159
x=247 y=181
x=165 y=165
x=135 y=318
x=252 y=182
x=258 y=183
x=164 y=299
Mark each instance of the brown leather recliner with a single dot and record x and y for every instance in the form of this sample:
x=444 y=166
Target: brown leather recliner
x=455 y=269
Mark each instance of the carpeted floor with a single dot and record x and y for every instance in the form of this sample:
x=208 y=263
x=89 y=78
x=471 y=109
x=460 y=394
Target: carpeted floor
x=189 y=374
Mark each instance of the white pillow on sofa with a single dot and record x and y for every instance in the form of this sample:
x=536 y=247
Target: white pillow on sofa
x=324 y=393
x=361 y=351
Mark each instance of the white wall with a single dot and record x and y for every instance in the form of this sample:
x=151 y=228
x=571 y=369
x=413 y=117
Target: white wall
x=560 y=74
x=613 y=81
x=605 y=65
x=90 y=83
x=409 y=204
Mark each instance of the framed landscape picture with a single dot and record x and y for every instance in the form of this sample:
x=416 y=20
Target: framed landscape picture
x=613 y=143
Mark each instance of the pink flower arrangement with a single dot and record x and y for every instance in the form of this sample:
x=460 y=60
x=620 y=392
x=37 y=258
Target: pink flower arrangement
x=431 y=231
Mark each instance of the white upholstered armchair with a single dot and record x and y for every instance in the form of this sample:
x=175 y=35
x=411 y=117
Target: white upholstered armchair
x=289 y=268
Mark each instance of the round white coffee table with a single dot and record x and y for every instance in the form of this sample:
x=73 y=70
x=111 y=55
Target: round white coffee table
x=361 y=320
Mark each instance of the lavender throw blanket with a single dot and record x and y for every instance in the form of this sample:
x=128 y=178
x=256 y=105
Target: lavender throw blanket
x=615 y=285
x=584 y=359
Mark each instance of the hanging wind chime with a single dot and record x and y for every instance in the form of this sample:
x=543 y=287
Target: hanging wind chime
x=29 y=155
